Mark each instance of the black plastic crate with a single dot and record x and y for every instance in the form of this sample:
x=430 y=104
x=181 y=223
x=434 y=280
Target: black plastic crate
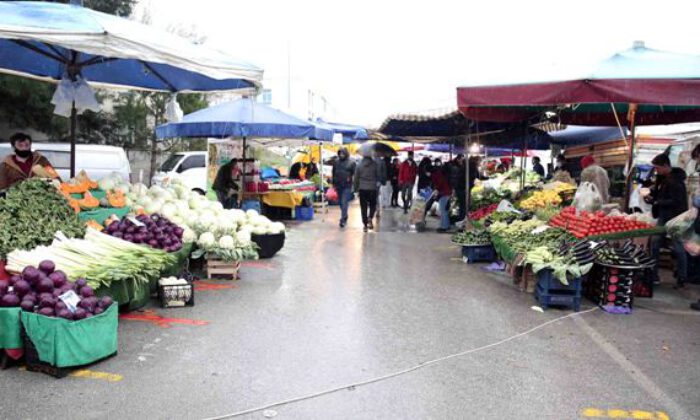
x=169 y=294
x=479 y=253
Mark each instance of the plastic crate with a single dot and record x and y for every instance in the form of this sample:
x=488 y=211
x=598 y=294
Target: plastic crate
x=482 y=253
x=558 y=299
x=304 y=213
x=251 y=205
x=547 y=281
x=176 y=295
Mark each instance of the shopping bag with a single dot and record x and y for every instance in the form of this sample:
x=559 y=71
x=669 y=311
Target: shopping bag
x=682 y=225
x=506 y=205
x=587 y=198
x=332 y=194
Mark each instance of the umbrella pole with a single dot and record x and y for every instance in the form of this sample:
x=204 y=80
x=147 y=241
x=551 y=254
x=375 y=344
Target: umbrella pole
x=320 y=175
x=631 y=118
x=243 y=176
x=73 y=123
x=468 y=193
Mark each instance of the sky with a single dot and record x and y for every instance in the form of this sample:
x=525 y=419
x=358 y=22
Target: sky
x=374 y=58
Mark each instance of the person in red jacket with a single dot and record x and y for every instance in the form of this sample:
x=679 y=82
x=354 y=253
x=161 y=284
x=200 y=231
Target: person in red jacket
x=407 y=178
x=441 y=185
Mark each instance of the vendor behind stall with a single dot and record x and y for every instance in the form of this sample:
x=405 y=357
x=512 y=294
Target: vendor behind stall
x=225 y=185
x=597 y=176
x=668 y=199
x=561 y=171
x=20 y=166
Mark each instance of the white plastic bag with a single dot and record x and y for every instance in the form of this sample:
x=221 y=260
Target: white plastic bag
x=587 y=198
x=506 y=205
x=682 y=225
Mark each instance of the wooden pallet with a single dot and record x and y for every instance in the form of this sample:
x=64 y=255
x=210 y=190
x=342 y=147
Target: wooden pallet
x=223 y=269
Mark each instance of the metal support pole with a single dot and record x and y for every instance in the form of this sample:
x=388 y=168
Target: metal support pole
x=242 y=194
x=73 y=123
x=631 y=120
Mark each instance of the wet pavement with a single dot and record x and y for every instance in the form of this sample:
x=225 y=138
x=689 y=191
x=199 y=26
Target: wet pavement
x=340 y=307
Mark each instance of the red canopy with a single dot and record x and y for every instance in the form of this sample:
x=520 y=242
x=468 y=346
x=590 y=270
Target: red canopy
x=666 y=87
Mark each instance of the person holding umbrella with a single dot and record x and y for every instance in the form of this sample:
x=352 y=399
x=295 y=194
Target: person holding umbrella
x=21 y=165
x=366 y=183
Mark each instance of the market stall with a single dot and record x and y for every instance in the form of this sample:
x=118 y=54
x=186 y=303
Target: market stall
x=243 y=119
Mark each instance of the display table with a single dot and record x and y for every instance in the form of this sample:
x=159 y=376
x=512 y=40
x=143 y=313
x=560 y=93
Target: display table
x=10 y=328
x=100 y=214
x=285 y=199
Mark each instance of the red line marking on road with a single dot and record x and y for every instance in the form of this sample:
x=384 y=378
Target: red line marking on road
x=154 y=318
x=257 y=264
x=202 y=285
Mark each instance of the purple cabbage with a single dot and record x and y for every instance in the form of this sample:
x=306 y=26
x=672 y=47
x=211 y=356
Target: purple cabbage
x=47 y=267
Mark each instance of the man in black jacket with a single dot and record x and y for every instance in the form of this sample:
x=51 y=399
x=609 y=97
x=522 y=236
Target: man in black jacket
x=343 y=173
x=669 y=199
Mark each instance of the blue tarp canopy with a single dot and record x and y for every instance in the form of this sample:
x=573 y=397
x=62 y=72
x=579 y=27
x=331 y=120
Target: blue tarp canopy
x=243 y=118
x=45 y=41
x=575 y=135
x=350 y=132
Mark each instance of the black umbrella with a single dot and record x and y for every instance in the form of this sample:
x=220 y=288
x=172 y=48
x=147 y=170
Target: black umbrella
x=376 y=149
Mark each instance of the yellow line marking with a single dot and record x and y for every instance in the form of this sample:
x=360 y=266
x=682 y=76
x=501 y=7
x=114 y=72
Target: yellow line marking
x=623 y=414
x=456 y=259
x=86 y=373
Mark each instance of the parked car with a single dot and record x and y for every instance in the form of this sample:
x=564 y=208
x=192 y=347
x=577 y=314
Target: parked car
x=191 y=167
x=97 y=160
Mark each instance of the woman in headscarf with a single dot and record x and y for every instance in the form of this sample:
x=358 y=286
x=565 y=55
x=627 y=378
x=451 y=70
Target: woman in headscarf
x=597 y=176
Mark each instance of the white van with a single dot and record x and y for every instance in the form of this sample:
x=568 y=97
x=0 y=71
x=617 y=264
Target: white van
x=191 y=167
x=97 y=160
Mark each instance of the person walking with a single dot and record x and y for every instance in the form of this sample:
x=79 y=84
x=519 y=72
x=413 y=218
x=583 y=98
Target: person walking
x=342 y=180
x=537 y=166
x=458 y=181
x=668 y=198
x=424 y=168
x=597 y=176
x=366 y=182
x=407 y=179
x=443 y=193
x=394 y=178
x=385 y=190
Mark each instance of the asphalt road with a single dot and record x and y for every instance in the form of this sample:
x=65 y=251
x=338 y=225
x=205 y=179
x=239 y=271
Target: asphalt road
x=339 y=307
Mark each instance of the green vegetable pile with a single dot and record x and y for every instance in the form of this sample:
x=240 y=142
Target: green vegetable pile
x=519 y=237
x=472 y=237
x=547 y=213
x=506 y=217
x=31 y=214
x=564 y=267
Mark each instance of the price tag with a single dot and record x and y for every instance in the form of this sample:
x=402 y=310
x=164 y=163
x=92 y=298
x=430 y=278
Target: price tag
x=71 y=300
x=593 y=244
x=133 y=220
x=539 y=229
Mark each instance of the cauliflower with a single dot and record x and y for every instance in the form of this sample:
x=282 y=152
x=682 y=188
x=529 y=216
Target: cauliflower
x=243 y=237
x=227 y=242
x=188 y=236
x=206 y=240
